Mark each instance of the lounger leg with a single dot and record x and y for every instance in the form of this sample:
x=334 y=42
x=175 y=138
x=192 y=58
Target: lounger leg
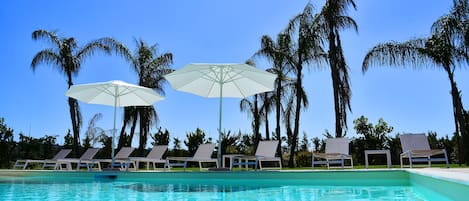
x=312 y=161
x=401 y=162
x=410 y=160
x=342 y=161
x=446 y=158
x=25 y=165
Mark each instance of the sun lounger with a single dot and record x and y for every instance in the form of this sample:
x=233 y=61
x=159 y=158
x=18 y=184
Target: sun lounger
x=415 y=148
x=202 y=155
x=121 y=159
x=265 y=152
x=45 y=163
x=86 y=160
x=154 y=157
x=337 y=151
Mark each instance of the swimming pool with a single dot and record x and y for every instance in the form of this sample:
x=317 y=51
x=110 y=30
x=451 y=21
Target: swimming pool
x=335 y=185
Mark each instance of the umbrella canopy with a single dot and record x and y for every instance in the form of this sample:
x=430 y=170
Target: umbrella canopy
x=114 y=93
x=221 y=80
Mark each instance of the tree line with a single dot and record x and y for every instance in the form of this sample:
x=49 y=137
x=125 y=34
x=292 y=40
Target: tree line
x=368 y=137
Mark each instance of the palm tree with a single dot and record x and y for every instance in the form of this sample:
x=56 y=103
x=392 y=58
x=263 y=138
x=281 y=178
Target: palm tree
x=94 y=134
x=130 y=116
x=331 y=20
x=289 y=113
x=66 y=56
x=304 y=51
x=252 y=109
x=150 y=68
x=445 y=48
x=276 y=53
x=267 y=99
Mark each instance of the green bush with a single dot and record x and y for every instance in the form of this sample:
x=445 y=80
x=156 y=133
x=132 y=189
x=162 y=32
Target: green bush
x=303 y=159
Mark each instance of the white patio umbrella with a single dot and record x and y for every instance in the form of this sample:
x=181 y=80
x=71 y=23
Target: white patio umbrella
x=114 y=93
x=221 y=80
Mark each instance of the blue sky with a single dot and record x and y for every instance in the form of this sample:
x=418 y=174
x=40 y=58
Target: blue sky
x=211 y=31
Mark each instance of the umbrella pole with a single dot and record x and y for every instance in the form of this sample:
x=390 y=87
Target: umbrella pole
x=113 y=131
x=219 y=128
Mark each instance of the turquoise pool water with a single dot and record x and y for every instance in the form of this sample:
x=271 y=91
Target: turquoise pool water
x=338 y=185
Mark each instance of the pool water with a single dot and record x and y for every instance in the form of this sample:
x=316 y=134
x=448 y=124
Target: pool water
x=215 y=186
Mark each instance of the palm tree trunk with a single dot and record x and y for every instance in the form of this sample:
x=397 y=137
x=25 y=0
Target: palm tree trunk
x=256 y=121
x=72 y=103
x=132 y=129
x=76 y=130
x=459 y=123
x=277 y=118
x=296 y=128
x=335 y=86
x=267 y=131
x=266 y=110
x=122 y=136
x=142 y=137
x=335 y=80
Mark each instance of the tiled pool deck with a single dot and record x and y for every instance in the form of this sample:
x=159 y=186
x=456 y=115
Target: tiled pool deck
x=457 y=174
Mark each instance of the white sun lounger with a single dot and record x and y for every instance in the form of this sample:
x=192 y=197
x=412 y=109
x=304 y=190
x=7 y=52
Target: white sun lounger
x=337 y=151
x=154 y=157
x=202 y=155
x=415 y=148
x=86 y=160
x=46 y=162
x=121 y=159
x=265 y=152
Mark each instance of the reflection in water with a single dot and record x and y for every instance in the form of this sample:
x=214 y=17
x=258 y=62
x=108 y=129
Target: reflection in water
x=145 y=187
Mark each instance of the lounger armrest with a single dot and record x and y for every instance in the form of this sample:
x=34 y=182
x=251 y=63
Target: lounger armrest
x=408 y=153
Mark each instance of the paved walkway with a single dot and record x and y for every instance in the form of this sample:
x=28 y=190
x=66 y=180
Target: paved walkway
x=458 y=174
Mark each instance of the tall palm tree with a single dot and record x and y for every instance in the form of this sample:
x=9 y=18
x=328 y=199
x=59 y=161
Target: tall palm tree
x=275 y=52
x=306 y=50
x=445 y=48
x=150 y=68
x=66 y=56
x=332 y=19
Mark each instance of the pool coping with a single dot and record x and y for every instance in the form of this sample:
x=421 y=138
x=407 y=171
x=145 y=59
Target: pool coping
x=459 y=175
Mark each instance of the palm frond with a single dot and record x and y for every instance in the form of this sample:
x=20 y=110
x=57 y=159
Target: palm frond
x=47 y=56
x=393 y=53
x=50 y=36
x=90 y=49
x=116 y=47
x=246 y=106
x=163 y=60
x=344 y=22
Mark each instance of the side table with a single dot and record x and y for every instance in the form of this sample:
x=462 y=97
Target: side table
x=385 y=151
